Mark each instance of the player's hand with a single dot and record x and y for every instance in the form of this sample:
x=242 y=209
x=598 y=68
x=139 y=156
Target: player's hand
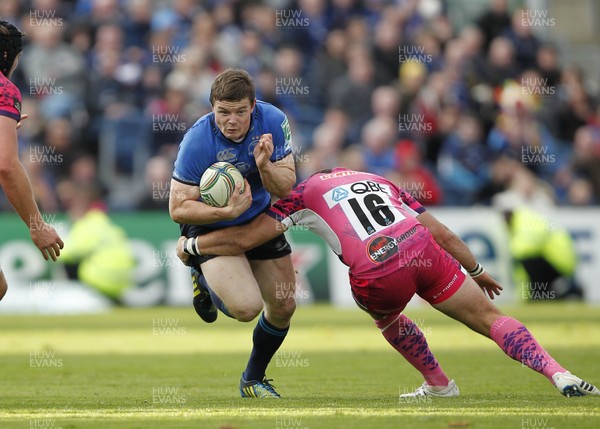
x=184 y=257
x=46 y=239
x=23 y=117
x=263 y=150
x=239 y=201
x=488 y=284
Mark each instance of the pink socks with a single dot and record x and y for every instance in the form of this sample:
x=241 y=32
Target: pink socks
x=518 y=343
x=408 y=339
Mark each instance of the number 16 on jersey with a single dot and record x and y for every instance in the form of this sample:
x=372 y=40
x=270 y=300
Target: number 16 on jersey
x=367 y=206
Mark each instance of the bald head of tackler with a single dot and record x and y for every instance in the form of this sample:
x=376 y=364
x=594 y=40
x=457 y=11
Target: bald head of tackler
x=11 y=45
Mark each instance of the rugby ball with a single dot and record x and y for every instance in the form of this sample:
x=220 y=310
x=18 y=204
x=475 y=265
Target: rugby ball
x=218 y=182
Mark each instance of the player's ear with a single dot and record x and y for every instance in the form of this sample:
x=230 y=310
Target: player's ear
x=253 y=104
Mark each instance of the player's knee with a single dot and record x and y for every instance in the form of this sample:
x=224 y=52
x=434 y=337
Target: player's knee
x=246 y=315
x=482 y=320
x=246 y=312
x=282 y=309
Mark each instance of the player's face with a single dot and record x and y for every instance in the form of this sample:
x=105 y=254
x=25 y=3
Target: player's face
x=233 y=117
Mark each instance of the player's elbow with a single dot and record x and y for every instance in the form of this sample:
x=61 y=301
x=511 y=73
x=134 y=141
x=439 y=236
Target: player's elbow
x=443 y=236
x=285 y=185
x=176 y=214
x=284 y=189
x=284 y=193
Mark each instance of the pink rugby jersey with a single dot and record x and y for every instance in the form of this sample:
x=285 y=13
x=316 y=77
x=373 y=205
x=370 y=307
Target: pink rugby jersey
x=367 y=221
x=10 y=99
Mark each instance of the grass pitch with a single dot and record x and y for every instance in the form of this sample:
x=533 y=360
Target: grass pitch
x=165 y=368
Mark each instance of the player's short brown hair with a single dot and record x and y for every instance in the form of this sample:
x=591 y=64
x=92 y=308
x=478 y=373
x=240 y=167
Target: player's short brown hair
x=232 y=85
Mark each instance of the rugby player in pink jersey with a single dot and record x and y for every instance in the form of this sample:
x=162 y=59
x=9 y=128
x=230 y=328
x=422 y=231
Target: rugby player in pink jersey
x=13 y=178
x=384 y=235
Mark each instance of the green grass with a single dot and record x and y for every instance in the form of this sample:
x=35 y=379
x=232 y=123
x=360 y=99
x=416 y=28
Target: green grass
x=334 y=371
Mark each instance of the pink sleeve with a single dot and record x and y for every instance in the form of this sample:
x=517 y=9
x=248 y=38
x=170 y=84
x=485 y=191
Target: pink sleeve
x=10 y=100
x=285 y=207
x=411 y=202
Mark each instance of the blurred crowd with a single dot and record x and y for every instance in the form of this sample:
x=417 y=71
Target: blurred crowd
x=481 y=114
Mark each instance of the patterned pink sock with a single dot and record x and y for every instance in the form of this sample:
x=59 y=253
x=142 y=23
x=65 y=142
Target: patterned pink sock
x=408 y=339
x=518 y=343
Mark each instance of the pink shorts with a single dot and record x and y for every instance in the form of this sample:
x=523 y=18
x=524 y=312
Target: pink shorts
x=433 y=274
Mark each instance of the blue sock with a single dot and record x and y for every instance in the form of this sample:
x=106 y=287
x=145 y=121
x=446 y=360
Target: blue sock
x=218 y=302
x=267 y=339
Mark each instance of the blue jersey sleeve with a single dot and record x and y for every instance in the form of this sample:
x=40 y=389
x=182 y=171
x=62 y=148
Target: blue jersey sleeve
x=192 y=159
x=279 y=125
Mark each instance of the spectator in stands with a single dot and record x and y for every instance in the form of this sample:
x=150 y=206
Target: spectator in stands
x=525 y=43
x=305 y=25
x=329 y=65
x=412 y=176
x=292 y=86
x=581 y=193
x=157 y=180
x=385 y=101
x=137 y=23
x=586 y=158
x=253 y=55
x=352 y=93
x=447 y=122
x=105 y=54
x=520 y=135
x=177 y=18
x=422 y=121
x=572 y=108
x=327 y=142
x=387 y=38
x=494 y=21
x=56 y=72
x=413 y=77
x=378 y=137
x=341 y=11
x=546 y=63
x=60 y=144
x=10 y=10
x=169 y=119
x=525 y=189
x=500 y=64
x=462 y=162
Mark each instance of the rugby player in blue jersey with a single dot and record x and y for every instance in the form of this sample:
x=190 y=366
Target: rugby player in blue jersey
x=255 y=137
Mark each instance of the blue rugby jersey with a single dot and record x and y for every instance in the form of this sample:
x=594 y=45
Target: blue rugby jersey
x=204 y=144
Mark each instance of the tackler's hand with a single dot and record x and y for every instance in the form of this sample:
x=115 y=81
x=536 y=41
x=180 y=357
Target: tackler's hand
x=488 y=284
x=184 y=257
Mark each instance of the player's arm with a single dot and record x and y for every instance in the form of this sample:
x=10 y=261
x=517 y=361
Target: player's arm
x=452 y=243
x=277 y=177
x=17 y=188
x=184 y=206
x=233 y=240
